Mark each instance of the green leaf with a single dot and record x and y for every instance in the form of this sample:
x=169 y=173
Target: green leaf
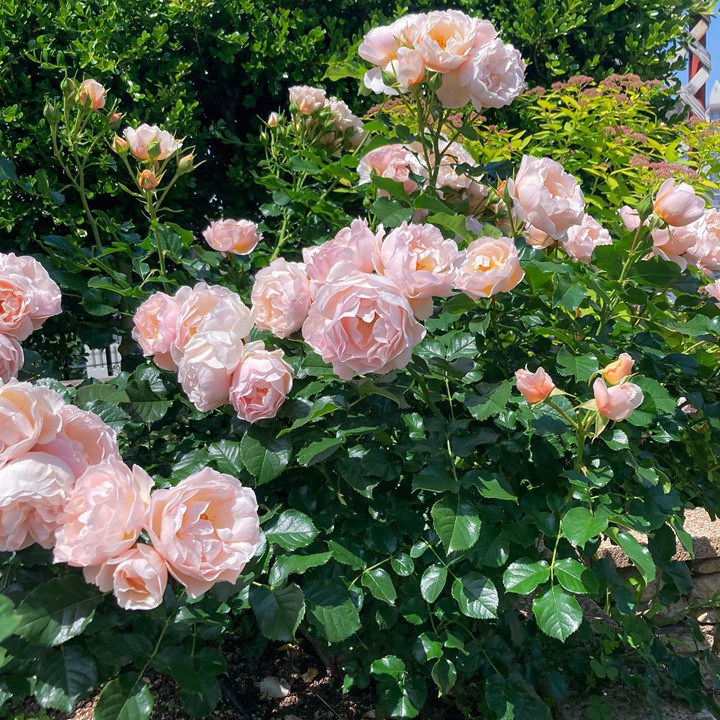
x=264 y=456
x=656 y=272
x=579 y=525
x=288 y=564
x=227 y=456
x=319 y=450
x=476 y=596
x=390 y=213
x=292 y=530
x=347 y=554
x=9 y=619
x=57 y=610
x=380 y=584
x=301 y=165
x=455 y=223
x=144 y=404
x=63 y=675
x=330 y=608
x=402 y=699
x=456 y=522
x=445 y=675
x=389 y=665
x=492 y=403
x=403 y=565
x=432 y=582
x=583 y=367
x=557 y=613
x=575 y=577
x=124 y=699
x=639 y=554
x=524 y=576
x=279 y=611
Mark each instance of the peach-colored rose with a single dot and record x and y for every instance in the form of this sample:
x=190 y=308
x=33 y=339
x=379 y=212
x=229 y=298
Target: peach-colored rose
x=104 y=514
x=421 y=263
x=156 y=328
x=406 y=69
x=206 y=528
x=33 y=491
x=137 y=577
x=348 y=127
x=361 y=323
x=11 y=358
x=395 y=162
x=678 y=205
x=491 y=265
x=306 y=99
x=547 y=197
x=582 y=239
x=141 y=139
x=281 y=297
x=705 y=253
x=616 y=371
x=29 y=416
x=147 y=180
x=713 y=289
x=617 y=403
x=356 y=245
x=92 y=94
x=534 y=386
x=381 y=44
x=630 y=218
x=238 y=237
x=445 y=39
x=261 y=383
x=537 y=238
x=673 y=243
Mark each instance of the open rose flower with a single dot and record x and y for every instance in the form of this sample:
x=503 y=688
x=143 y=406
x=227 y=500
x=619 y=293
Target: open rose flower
x=206 y=528
x=582 y=239
x=348 y=127
x=534 y=386
x=547 y=197
x=104 y=514
x=361 y=323
x=491 y=265
x=306 y=100
x=156 y=328
x=261 y=383
x=137 y=577
x=713 y=289
x=92 y=93
x=537 y=238
x=678 y=205
x=445 y=39
x=395 y=162
x=618 y=370
x=281 y=297
x=238 y=237
x=145 y=137
x=619 y=402
x=406 y=69
x=381 y=44
x=11 y=358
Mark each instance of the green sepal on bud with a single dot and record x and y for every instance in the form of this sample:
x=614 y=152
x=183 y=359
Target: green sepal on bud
x=154 y=150
x=51 y=114
x=69 y=89
x=186 y=164
x=645 y=208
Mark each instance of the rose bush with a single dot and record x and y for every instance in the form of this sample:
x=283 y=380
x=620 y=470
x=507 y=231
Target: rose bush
x=399 y=414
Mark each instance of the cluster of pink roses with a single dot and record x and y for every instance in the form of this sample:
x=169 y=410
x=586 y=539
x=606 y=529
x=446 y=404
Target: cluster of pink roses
x=201 y=333
x=616 y=402
x=237 y=237
x=29 y=297
x=475 y=66
x=358 y=297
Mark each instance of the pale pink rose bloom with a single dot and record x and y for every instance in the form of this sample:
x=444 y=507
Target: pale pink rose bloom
x=140 y=138
x=445 y=39
x=713 y=289
x=448 y=178
x=156 y=328
x=534 y=386
x=421 y=263
x=673 y=243
x=361 y=323
x=137 y=577
x=492 y=78
x=664 y=245
x=395 y=162
x=491 y=265
x=357 y=245
x=678 y=205
x=582 y=239
x=616 y=371
x=261 y=383
x=630 y=218
x=92 y=93
x=34 y=489
x=547 y=197
x=348 y=127
x=206 y=528
x=238 y=237
x=705 y=253
x=537 y=238
x=281 y=297
x=11 y=358
x=104 y=515
x=84 y=440
x=306 y=99
x=617 y=403
x=29 y=416
x=406 y=69
x=381 y=44
x=685 y=406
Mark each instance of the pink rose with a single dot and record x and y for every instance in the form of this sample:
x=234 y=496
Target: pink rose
x=534 y=386
x=137 y=577
x=306 y=99
x=281 y=297
x=356 y=245
x=630 y=218
x=380 y=46
x=395 y=162
x=156 y=328
x=616 y=371
x=206 y=528
x=29 y=416
x=104 y=514
x=537 y=238
x=582 y=239
x=673 y=243
x=446 y=38
x=92 y=94
x=547 y=197
x=421 y=263
x=348 y=127
x=361 y=323
x=238 y=237
x=144 y=136
x=406 y=69
x=260 y=384
x=678 y=205
x=11 y=358
x=713 y=289
x=617 y=403
x=705 y=253
x=33 y=491
x=491 y=265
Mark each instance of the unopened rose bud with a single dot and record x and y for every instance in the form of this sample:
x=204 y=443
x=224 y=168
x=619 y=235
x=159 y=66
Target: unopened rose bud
x=91 y=94
x=69 y=88
x=119 y=145
x=147 y=180
x=114 y=119
x=273 y=120
x=186 y=164
x=51 y=114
